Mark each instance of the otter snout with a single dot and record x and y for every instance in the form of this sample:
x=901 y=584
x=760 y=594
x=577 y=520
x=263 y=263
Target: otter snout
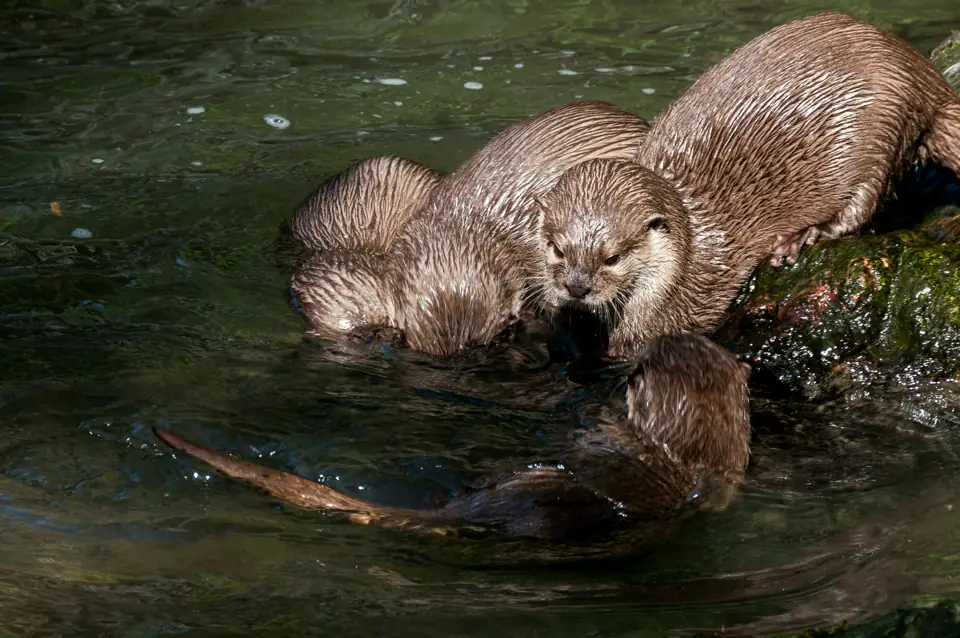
x=578 y=283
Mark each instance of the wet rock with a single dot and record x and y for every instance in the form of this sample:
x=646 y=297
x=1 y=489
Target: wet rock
x=940 y=620
x=865 y=310
x=854 y=312
x=946 y=57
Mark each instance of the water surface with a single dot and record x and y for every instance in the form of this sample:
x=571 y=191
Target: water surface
x=142 y=127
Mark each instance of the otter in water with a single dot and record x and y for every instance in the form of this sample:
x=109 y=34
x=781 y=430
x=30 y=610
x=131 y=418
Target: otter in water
x=456 y=273
x=794 y=138
x=345 y=229
x=365 y=206
x=687 y=433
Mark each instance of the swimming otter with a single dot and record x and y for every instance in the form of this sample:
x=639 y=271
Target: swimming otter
x=792 y=139
x=687 y=433
x=345 y=229
x=456 y=273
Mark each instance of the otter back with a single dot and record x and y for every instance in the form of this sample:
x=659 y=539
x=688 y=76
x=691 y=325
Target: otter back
x=798 y=134
x=365 y=206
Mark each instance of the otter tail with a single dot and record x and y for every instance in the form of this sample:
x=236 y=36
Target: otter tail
x=298 y=491
x=943 y=139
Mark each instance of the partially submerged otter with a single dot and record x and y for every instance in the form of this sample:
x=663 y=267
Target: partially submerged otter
x=685 y=443
x=456 y=273
x=793 y=138
x=345 y=229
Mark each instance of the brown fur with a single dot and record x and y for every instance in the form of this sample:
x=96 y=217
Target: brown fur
x=365 y=206
x=455 y=274
x=345 y=229
x=793 y=138
x=686 y=440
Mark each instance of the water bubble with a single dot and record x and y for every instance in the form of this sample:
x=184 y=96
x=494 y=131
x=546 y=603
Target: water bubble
x=196 y=163
x=392 y=81
x=485 y=57
x=276 y=121
x=81 y=233
x=478 y=68
x=473 y=86
x=196 y=110
x=97 y=160
x=567 y=52
x=649 y=91
x=362 y=133
x=518 y=65
x=398 y=103
x=605 y=69
x=567 y=72
x=436 y=138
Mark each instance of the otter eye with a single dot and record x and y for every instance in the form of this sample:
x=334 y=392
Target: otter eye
x=657 y=223
x=556 y=251
x=612 y=260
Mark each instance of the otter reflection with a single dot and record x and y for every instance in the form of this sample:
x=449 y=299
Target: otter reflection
x=684 y=446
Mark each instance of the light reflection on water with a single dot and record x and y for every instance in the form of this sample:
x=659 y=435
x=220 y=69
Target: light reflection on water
x=175 y=314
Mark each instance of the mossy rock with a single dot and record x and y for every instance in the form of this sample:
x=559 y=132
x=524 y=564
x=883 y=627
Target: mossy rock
x=937 y=620
x=855 y=311
x=946 y=57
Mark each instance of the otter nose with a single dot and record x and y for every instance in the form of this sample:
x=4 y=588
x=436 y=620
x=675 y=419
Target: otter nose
x=578 y=292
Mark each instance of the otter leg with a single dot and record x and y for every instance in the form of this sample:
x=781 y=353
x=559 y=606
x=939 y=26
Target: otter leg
x=943 y=139
x=860 y=207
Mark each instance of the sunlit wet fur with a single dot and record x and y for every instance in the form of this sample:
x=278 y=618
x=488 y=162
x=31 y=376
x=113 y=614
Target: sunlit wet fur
x=794 y=138
x=344 y=292
x=364 y=207
x=461 y=268
x=346 y=229
x=447 y=263
x=670 y=260
x=684 y=446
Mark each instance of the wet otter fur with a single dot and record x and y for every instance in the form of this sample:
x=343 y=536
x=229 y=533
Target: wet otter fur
x=792 y=139
x=456 y=273
x=684 y=446
x=345 y=229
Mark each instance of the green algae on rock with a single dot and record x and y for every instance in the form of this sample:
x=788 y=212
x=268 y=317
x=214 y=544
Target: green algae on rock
x=853 y=312
x=946 y=58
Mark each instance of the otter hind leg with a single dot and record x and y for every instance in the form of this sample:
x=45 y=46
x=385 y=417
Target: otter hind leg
x=859 y=208
x=943 y=140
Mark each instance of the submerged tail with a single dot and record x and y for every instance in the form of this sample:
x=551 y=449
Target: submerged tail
x=293 y=489
x=943 y=139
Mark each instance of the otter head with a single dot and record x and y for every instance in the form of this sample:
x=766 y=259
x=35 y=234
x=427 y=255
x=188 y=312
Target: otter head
x=610 y=230
x=690 y=394
x=457 y=289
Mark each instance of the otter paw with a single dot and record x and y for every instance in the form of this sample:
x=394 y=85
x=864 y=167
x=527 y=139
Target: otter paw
x=787 y=249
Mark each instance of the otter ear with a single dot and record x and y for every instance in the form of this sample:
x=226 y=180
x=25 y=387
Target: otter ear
x=656 y=222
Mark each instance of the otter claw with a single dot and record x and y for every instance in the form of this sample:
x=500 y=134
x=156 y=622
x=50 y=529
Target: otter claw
x=788 y=248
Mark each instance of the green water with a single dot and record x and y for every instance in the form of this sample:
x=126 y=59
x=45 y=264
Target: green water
x=175 y=313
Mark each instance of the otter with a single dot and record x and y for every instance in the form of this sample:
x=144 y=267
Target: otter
x=344 y=230
x=457 y=272
x=364 y=207
x=792 y=139
x=684 y=446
